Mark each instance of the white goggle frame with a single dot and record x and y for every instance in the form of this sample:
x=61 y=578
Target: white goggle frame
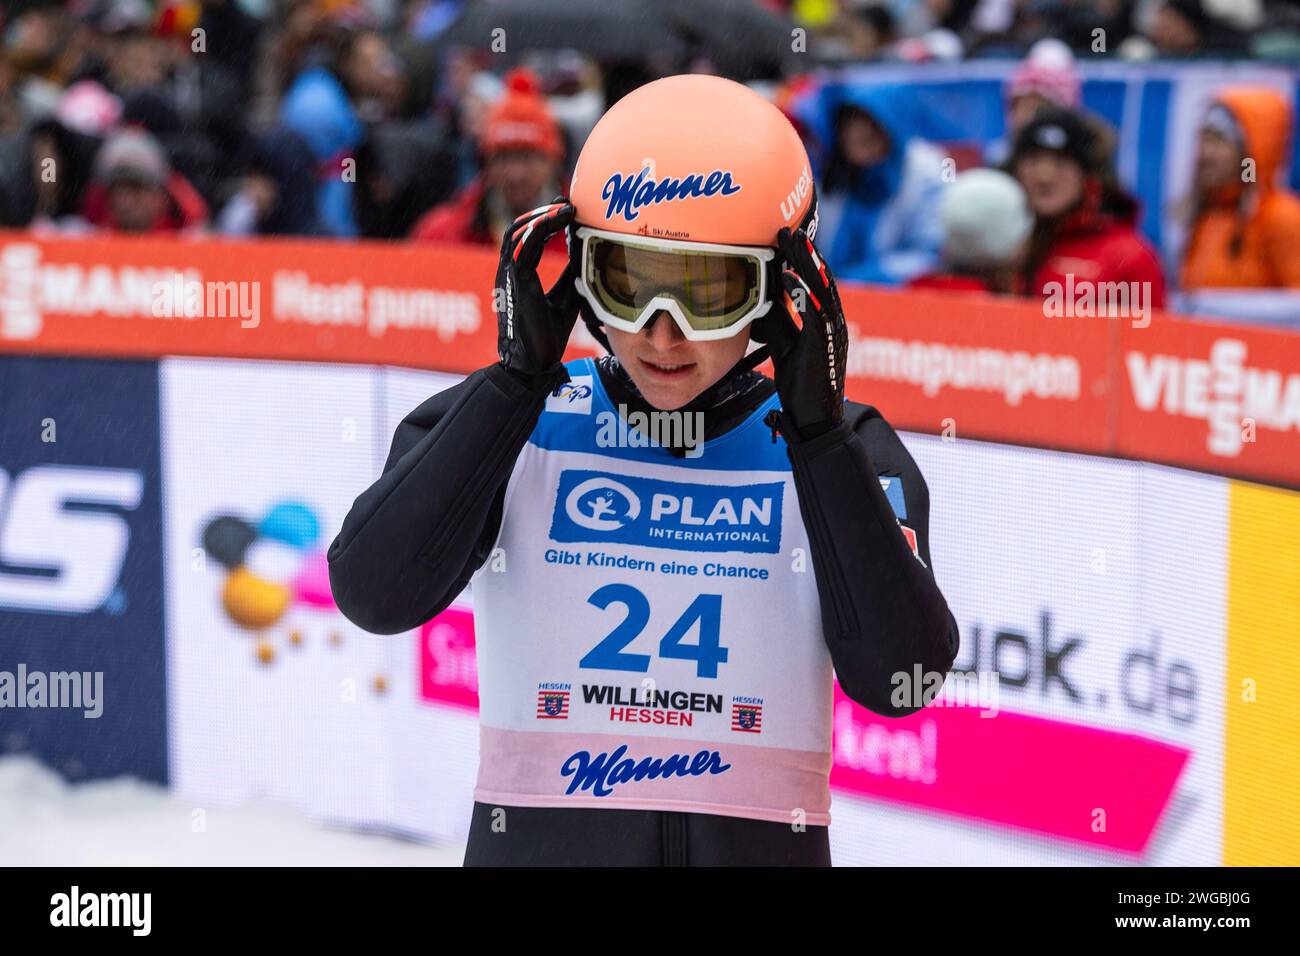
x=667 y=303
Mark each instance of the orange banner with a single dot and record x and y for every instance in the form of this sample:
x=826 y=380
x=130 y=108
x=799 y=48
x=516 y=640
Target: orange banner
x=1220 y=398
x=319 y=301
x=979 y=367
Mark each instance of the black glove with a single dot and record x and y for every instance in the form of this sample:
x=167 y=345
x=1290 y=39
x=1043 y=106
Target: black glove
x=808 y=338
x=533 y=327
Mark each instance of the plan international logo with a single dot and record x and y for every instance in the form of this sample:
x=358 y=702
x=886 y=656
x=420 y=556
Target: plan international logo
x=592 y=506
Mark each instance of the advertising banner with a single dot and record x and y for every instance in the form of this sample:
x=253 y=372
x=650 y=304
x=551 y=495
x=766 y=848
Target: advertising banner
x=82 y=682
x=1083 y=720
x=1123 y=691
x=1149 y=386
x=1220 y=399
x=274 y=693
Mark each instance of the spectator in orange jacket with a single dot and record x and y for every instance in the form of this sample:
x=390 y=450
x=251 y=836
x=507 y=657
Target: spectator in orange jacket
x=523 y=150
x=1245 y=228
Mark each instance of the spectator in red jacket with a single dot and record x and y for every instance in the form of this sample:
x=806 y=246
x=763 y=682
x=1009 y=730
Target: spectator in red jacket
x=136 y=190
x=1085 y=238
x=523 y=152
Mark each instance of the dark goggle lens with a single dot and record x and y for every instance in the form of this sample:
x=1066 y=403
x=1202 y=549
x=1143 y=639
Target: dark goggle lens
x=709 y=286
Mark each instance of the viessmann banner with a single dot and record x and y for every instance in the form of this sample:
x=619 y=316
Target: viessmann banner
x=1218 y=398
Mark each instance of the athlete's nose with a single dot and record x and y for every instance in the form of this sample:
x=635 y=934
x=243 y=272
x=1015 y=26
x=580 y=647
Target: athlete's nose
x=665 y=334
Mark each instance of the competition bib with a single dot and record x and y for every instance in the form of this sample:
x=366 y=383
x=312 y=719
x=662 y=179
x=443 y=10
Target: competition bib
x=649 y=633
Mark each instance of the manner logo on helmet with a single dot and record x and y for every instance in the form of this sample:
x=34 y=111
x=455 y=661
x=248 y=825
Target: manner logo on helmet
x=573 y=397
x=626 y=195
x=597 y=507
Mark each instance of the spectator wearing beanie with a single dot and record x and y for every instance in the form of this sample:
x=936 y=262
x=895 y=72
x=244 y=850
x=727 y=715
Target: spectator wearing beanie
x=1085 y=225
x=136 y=190
x=523 y=153
x=986 y=221
x=69 y=140
x=1245 y=224
x=1046 y=78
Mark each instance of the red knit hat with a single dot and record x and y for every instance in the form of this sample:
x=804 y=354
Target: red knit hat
x=521 y=119
x=1049 y=71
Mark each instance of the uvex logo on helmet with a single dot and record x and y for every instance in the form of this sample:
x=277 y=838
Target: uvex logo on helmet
x=793 y=201
x=627 y=194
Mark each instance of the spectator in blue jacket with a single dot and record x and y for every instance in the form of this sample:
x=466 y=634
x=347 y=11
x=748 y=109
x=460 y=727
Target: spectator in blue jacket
x=355 y=79
x=317 y=109
x=881 y=185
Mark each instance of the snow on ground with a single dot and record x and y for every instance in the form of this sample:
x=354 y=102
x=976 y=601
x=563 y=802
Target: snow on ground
x=45 y=821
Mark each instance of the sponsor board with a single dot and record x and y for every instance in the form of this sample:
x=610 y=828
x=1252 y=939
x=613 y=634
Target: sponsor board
x=315 y=300
x=1261 y=825
x=1104 y=639
x=1082 y=721
x=274 y=694
x=80 y=575
x=1219 y=400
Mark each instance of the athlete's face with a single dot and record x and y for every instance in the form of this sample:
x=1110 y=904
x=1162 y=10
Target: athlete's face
x=667 y=367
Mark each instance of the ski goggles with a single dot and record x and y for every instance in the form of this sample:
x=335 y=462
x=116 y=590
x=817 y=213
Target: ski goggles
x=712 y=291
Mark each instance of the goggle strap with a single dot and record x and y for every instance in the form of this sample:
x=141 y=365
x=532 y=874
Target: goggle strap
x=704 y=400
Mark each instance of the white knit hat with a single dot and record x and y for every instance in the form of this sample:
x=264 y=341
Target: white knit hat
x=133 y=153
x=985 y=218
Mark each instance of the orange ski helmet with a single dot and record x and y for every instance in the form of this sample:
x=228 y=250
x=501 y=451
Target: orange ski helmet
x=679 y=193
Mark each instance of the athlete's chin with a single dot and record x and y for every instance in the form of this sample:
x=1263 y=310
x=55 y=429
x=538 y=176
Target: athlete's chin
x=668 y=398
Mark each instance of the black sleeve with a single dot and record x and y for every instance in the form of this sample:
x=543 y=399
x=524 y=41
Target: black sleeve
x=882 y=611
x=415 y=537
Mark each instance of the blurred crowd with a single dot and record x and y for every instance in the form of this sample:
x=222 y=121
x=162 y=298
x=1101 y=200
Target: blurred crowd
x=413 y=120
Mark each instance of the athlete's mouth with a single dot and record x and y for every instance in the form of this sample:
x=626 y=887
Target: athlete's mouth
x=666 y=370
